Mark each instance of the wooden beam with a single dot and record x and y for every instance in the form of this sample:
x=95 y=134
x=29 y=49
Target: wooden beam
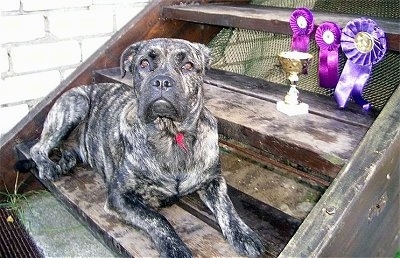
x=274 y=227
x=320 y=105
x=359 y=213
x=269 y=19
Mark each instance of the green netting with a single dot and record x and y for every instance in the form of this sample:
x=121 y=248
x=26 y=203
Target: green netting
x=254 y=53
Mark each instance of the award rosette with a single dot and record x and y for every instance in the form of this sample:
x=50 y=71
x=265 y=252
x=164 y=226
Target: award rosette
x=327 y=37
x=364 y=45
x=302 y=24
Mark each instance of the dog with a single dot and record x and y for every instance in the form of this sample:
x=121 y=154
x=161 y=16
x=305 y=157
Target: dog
x=152 y=143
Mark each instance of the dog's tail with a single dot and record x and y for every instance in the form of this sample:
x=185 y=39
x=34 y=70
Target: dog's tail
x=24 y=165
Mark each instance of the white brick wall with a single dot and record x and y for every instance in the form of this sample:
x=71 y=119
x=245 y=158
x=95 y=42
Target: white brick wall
x=17 y=89
x=123 y=15
x=65 y=24
x=41 y=5
x=43 y=41
x=4 y=65
x=91 y=45
x=9 y=5
x=20 y=28
x=12 y=115
x=37 y=57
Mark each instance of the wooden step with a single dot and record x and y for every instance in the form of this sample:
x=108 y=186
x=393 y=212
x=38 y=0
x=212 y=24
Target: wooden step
x=83 y=193
x=323 y=106
x=269 y=19
x=358 y=213
x=320 y=142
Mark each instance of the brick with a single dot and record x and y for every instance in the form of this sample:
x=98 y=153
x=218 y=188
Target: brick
x=38 y=5
x=4 y=65
x=22 y=28
x=45 y=56
x=28 y=87
x=80 y=23
x=89 y=46
x=106 y=2
x=10 y=116
x=10 y=5
x=66 y=73
x=125 y=14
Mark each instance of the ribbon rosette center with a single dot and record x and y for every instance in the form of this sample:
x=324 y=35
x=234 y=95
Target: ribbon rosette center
x=302 y=22
x=328 y=37
x=364 y=42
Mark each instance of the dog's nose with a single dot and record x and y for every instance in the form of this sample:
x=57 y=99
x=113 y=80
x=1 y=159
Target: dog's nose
x=163 y=82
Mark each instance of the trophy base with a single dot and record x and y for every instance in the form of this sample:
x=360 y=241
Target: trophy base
x=292 y=110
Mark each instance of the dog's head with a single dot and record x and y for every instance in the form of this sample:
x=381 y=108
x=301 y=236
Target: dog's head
x=167 y=78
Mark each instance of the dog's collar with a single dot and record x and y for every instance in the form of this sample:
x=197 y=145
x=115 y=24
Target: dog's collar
x=180 y=140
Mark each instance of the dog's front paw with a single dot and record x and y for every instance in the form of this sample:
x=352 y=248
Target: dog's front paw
x=247 y=242
x=68 y=161
x=49 y=170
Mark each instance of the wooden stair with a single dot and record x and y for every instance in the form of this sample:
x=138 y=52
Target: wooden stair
x=246 y=112
x=83 y=193
x=354 y=153
x=270 y=19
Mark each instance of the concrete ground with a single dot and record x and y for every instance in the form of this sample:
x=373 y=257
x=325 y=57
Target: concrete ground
x=56 y=232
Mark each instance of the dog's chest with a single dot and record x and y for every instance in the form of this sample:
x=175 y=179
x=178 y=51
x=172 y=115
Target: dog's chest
x=180 y=175
x=168 y=179
x=167 y=188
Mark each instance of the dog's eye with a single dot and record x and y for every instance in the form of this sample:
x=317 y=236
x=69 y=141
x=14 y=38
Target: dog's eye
x=188 y=66
x=144 y=63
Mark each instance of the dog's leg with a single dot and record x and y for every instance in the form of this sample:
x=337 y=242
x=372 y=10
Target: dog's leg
x=238 y=234
x=131 y=209
x=68 y=111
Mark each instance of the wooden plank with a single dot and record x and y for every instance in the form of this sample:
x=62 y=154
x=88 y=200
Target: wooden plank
x=312 y=141
x=254 y=154
x=84 y=194
x=359 y=213
x=274 y=226
x=147 y=24
x=324 y=106
x=270 y=19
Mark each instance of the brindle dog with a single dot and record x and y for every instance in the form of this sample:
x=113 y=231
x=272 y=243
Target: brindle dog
x=152 y=143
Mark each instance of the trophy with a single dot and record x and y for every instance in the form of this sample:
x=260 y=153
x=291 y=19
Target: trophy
x=293 y=63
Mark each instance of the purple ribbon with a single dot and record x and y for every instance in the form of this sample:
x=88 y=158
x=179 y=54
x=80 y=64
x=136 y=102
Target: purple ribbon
x=302 y=24
x=327 y=37
x=364 y=44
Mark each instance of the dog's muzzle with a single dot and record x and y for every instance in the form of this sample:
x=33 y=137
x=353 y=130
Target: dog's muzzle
x=163 y=108
x=162 y=82
x=161 y=99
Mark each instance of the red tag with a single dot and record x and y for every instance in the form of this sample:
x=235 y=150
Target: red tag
x=180 y=140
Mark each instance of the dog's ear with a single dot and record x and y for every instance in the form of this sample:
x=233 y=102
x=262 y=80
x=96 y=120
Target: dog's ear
x=206 y=52
x=127 y=58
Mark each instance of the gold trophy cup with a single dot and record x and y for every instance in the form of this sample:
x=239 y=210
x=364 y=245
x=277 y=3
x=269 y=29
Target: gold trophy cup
x=293 y=63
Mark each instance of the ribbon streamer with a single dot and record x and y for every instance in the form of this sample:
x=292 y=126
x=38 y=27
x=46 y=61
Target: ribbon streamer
x=327 y=37
x=302 y=24
x=364 y=45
